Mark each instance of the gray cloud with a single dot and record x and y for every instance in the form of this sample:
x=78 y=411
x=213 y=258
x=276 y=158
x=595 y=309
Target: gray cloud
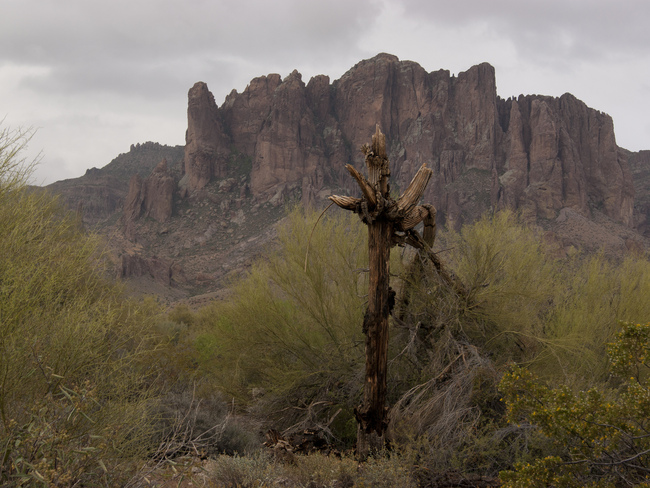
x=133 y=46
x=550 y=31
x=97 y=76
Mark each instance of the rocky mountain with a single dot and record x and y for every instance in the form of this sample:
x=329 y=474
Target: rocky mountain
x=537 y=152
x=100 y=193
x=192 y=222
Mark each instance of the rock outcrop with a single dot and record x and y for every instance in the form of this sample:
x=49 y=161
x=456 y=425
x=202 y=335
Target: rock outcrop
x=98 y=194
x=206 y=146
x=152 y=197
x=560 y=153
x=287 y=139
x=161 y=270
x=640 y=169
x=102 y=192
x=538 y=152
x=133 y=200
x=158 y=193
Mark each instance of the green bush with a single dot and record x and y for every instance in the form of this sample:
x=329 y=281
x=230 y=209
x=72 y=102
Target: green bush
x=288 y=346
x=523 y=305
x=290 y=337
x=75 y=356
x=600 y=436
x=526 y=305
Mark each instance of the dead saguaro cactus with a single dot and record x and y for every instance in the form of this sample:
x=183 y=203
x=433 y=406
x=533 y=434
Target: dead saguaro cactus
x=390 y=222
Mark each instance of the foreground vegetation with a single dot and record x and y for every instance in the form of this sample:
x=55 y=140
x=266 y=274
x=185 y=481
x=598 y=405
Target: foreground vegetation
x=600 y=436
x=536 y=377
x=77 y=387
x=287 y=347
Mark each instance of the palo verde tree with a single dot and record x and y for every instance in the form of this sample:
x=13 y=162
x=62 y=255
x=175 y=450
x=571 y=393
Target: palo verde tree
x=76 y=357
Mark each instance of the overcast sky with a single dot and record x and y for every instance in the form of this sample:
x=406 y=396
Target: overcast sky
x=93 y=77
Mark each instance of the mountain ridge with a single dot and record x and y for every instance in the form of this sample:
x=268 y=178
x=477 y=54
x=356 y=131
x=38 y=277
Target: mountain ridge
x=282 y=141
x=303 y=135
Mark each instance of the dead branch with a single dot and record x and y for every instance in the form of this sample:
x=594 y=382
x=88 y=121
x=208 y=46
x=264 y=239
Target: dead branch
x=366 y=188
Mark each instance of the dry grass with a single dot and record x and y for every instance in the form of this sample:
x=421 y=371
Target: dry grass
x=262 y=470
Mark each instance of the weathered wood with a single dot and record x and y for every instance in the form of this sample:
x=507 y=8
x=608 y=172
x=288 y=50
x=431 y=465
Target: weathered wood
x=429 y=233
x=377 y=163
x=389 y=222
x=366 y=188
x=379 y=144
x=413 y=218
x=348 y=203
x=371 y=414
x=415 y=190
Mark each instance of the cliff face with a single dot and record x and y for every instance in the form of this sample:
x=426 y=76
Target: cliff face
x=152 y=197
x=536 y=152
x=286 y=138
x=102 y=192
x=205 y=142
x=640 y=169
x=560 y=153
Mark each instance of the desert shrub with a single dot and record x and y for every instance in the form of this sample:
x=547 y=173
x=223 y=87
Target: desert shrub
x=75 y=356
x=290 y=337
x=317 y=470
x=288 y=345
x=245 y=472
x=311 y=471
x=182 y=315
x=600 y=436
x=203 y=426
x=391 y=469
x=451 y=347
x=510 y=279
x=523 y=305
x=595 y=295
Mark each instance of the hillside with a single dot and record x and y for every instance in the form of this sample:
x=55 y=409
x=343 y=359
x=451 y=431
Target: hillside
x=196 y=220
x=101 y=192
